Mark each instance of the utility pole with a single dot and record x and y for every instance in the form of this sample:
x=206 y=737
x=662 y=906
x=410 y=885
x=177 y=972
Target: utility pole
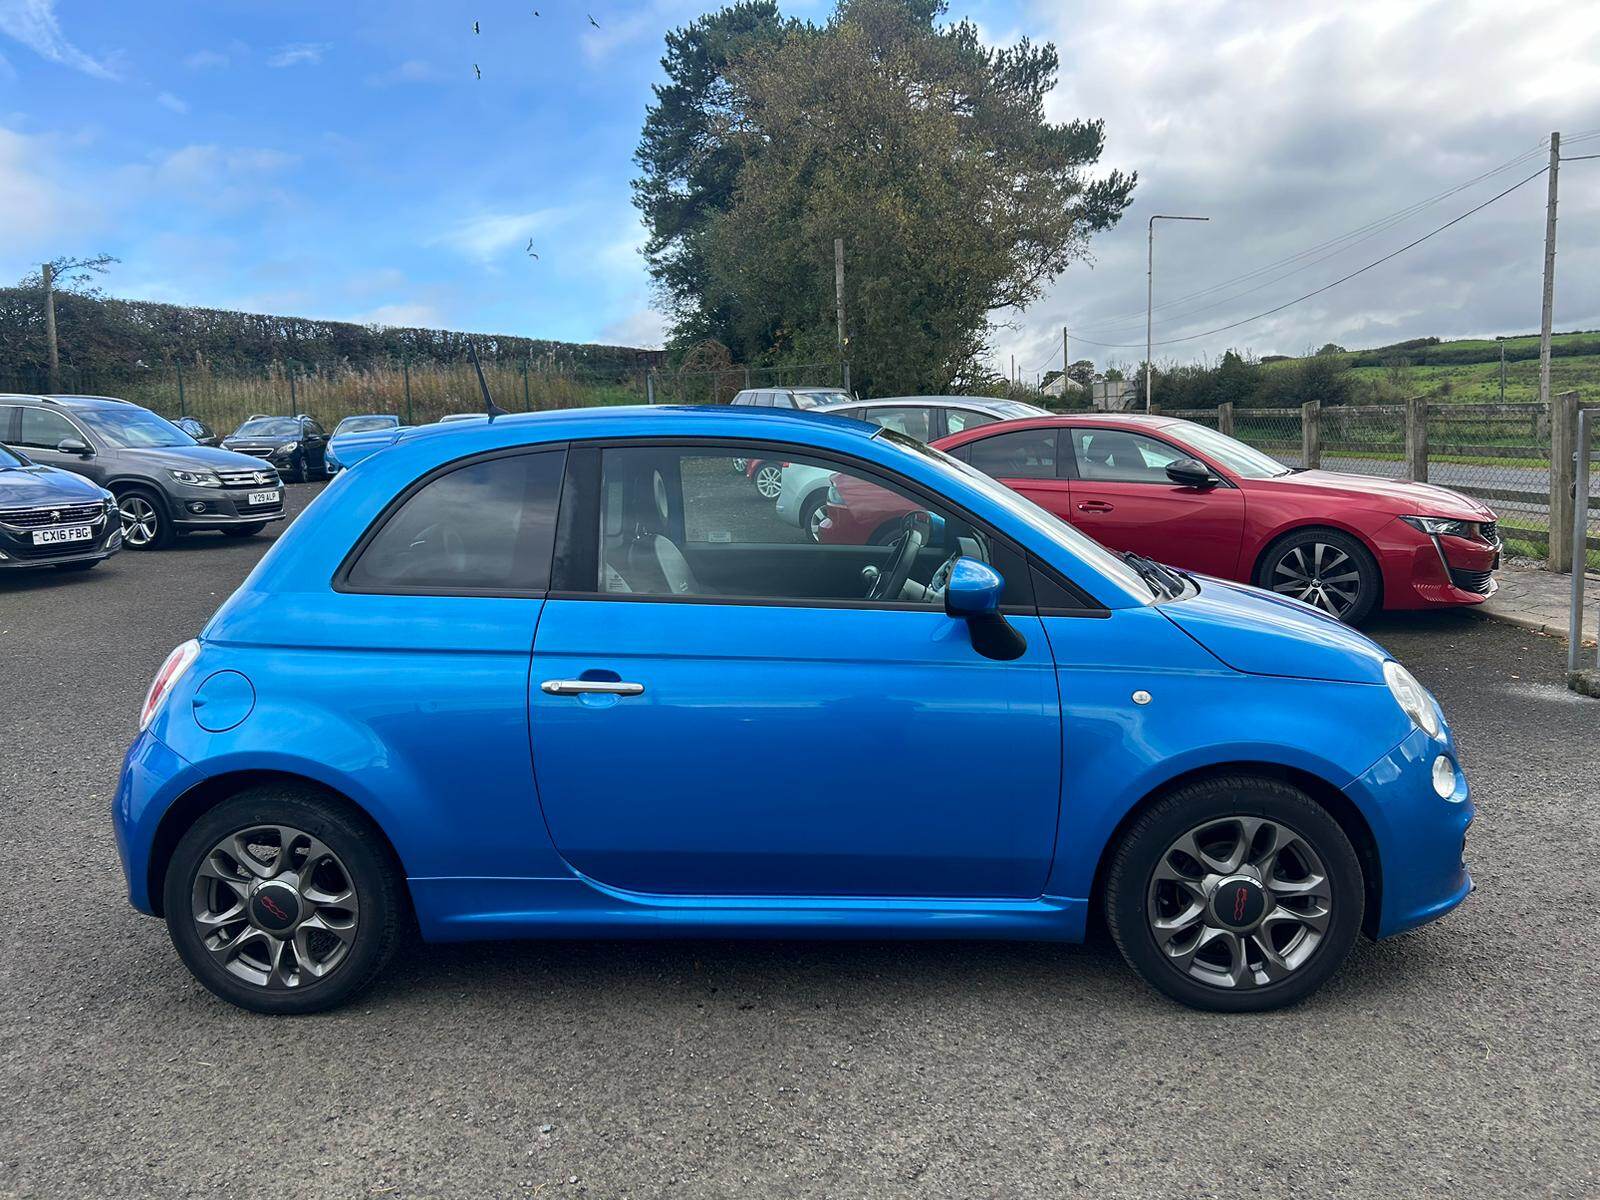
x=1549 y=281
x=49 y=274
x=838 y=303
x=1150 y=293
x=1013 y=370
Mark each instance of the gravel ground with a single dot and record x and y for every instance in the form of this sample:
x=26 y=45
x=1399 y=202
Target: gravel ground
x=1457 y=1061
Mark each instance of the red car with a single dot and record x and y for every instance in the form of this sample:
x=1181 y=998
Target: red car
x=1186 y=495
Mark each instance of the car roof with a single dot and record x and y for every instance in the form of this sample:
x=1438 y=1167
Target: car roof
x=688 y=416
x=978 y=402
x=65 y=400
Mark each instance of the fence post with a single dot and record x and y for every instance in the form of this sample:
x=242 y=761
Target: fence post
x=294 y=404
x=183 y=410
x=405 y=374
x=650 y=385
x=1311 y=435
x=1417 y=439
x=1224 y=417
x=527 y=400
x=846 y=365
x=1563 y=463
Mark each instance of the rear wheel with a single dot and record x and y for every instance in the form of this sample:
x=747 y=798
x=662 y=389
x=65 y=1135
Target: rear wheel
x=281 y=902
x=769 y=480
x=1325 y=568
x=145 y=524
x=1238 y=894
x=813 y=513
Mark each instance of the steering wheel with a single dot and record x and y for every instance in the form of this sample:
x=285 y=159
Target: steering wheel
x=915 y=532
x=941 y=577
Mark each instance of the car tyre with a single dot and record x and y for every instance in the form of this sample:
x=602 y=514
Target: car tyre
x=769 y=480
x=350 y=944
x=1326 y=568
x=1308 y=908
x=811 y=515
x=145 y=523
x=244 y=531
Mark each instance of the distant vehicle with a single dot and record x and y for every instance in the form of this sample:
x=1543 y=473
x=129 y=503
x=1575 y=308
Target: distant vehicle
x=164 y=482
x=199 y=431
x=1184 y=494
x=800 y=397
x=53 y=518
x=354 y=438
x=803 y=490
x=296 y=446
x=451 y=417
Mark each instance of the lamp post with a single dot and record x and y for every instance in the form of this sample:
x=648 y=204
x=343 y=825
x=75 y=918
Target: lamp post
x=1150 y=294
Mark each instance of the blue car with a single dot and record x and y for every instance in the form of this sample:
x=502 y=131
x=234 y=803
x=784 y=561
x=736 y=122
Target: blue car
x=515 y=678
x=53 y=518
x=356 y=437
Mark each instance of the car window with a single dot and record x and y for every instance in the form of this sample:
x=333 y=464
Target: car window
x=913 y=422
x=128 y=427
x=965 y=418
x=487 y=526
x=45 y=430
x=268 y=427
x=1118 y=456
x=1025 y=454
x=314 y=429
x=679 y=522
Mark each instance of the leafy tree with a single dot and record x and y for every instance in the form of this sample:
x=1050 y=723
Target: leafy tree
x=929 y=153
x=1082 y=372
x=1331 y=348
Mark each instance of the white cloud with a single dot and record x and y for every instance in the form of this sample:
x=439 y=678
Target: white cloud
x=644 y=328
x=489 y=235
x=297 y=54
x=33 y=204
x=168 y=100
x=34 y=24
x=204 y=60
x=413 y=70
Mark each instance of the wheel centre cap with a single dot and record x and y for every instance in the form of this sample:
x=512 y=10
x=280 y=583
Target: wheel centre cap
x=275 y=907
x=1238 y=902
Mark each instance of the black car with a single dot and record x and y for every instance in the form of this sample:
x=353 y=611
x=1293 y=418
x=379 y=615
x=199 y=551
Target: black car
x=198 y=430
x=164 y=483
x=296 y=446
x=51 y=518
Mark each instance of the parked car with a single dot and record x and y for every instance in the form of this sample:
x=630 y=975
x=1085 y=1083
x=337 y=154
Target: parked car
x=800 y=397
x=356 y=437
x=53 y=518
x=802 y=491
x=202 y=433
x=165 y=484
x=991 y=728
x=295 y=446
x=1187 y=495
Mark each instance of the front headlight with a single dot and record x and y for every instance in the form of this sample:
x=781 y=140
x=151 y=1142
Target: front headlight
x=1412 y=698
x=197 y=478
x=288 y=447
x=1442 y=526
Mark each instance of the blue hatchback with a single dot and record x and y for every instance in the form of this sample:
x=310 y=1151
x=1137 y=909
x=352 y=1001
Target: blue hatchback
x=560 y=675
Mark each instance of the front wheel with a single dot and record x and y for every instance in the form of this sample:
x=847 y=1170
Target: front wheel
x=281 y=902
x=145 y=524
x=1325 y=568
x=1239 y=894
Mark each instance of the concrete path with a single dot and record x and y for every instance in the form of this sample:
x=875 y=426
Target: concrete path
x=1541 y=600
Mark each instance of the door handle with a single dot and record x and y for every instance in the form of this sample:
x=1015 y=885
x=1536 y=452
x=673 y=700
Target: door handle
x=580 y=687
x=1096 y=506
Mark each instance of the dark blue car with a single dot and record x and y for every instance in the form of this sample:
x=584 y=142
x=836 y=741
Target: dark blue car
x=53 y=518
x=517 y=678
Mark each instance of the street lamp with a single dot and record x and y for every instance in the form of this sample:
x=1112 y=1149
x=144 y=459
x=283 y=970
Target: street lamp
x=1150 y=294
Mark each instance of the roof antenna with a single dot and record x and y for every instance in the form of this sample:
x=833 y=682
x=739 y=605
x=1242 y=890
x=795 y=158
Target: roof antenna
x=489 y=406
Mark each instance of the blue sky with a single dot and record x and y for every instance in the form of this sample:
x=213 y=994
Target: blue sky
x=341 y=160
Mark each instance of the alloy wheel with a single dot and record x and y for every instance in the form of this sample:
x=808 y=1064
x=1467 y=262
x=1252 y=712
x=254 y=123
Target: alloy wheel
x=140 y=521
x=769 y=480
x=275 y=907
x=1239 y=902
x=818 y=514
x=1320 y=574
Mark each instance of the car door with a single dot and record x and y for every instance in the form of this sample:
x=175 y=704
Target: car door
x=40 y=432
x=1122 y=498
x=1026 y=461
x=718 y=708
x=315 y=441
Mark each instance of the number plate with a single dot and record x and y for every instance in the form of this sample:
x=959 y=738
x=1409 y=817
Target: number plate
x=52 y=537
x=263 y=497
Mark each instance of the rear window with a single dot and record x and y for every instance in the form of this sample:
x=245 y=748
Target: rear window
x=486 y=527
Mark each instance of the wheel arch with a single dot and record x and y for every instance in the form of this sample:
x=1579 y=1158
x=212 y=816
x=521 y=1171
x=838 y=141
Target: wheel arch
x=1278 y=536
x=1338 y=805
x=200 y=799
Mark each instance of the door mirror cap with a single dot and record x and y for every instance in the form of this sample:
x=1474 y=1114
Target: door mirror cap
x=1191 y=472
x=73 y=446
x=973 y=590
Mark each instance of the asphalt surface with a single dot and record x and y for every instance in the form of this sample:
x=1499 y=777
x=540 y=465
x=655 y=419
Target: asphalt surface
x=1460 y=1060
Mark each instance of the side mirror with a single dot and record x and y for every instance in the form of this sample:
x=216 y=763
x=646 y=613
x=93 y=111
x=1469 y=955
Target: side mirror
x=972 y=594
x=73 y=446
x=1191 y=472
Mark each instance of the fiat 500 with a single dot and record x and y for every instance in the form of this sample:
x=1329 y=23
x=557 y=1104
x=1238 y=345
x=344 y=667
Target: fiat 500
x=512 y=678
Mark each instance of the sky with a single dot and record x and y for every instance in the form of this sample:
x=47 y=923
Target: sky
x=384 y=163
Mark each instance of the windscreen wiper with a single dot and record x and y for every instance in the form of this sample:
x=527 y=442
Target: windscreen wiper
x=1161 y=580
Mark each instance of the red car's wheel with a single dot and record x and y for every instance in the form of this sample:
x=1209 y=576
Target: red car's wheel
x=1325 y=568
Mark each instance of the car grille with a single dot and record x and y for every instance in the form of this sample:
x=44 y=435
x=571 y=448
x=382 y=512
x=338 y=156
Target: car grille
x=249 y=479
x=1490 y=531
x=34 y=518
x=254 y=451
x=1478 y=582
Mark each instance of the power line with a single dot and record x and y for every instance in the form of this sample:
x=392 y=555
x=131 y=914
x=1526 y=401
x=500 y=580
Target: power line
x=1327 y=286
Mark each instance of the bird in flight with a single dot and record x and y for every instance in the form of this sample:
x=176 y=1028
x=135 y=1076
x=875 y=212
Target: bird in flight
x=536 y=12
x=474 y=27
x=529 y=249
x=592 y=21
x=477 y=72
